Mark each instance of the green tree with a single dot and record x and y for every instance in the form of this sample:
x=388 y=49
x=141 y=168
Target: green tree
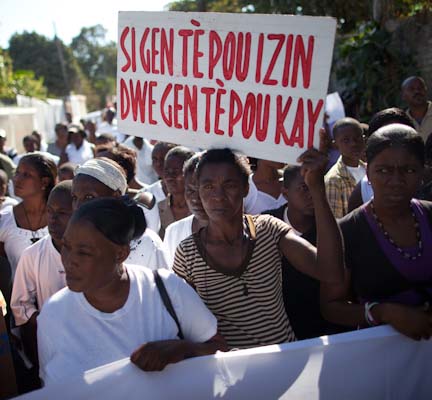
x=348 y=12
x=370 y=70
x=50 y=59
x=97 y=59
x=18 y=82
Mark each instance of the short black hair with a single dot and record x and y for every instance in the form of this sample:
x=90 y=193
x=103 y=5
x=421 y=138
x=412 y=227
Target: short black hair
x=180 y=151
x=389 y=116
x=60 y=127
x=290 y=172
x=64 y=187
x=29 y=138
x=225 y=156
x=347 y=122
x=105 y=137
x=163 y=146
x=68 y=166
x=191 y=164
x=395 y=135
x=45 y=167
x=120 y=219
x=125 y=157
x=410 y=79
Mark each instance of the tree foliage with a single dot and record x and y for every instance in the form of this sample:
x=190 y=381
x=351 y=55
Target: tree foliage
x=97 y=59
x=348 y=12
x=34 y=52
x=370 y=70
x=18 y=82
x=88 y=66
x=367 y=68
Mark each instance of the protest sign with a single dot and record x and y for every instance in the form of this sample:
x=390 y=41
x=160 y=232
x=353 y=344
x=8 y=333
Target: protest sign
x=254 y=83
x=334 y=108
x=374 y=364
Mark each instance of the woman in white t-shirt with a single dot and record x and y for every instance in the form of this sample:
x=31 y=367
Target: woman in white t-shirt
x=26 y=223
x=111 y=310
x=102 y=177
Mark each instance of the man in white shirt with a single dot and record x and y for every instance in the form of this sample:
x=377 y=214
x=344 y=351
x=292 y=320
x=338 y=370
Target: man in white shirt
x=414 y=93
x=79 y=150
x=109 y=125
x=159 y=152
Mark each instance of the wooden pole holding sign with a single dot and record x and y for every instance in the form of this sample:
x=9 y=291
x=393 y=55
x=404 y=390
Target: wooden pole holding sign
x=254 y=83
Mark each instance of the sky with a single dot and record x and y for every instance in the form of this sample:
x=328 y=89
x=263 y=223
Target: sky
x=68 y=17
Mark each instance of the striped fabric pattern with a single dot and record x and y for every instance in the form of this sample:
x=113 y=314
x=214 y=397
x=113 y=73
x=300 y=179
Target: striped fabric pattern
x=249 y=308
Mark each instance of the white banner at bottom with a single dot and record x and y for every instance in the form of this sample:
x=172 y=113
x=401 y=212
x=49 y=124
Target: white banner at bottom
x=375 y=363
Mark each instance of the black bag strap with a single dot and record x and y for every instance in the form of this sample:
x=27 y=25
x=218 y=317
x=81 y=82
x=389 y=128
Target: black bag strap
x=167 y=301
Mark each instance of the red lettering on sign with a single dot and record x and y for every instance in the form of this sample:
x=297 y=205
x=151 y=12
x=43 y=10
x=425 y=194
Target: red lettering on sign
x=287 y=61
x=197 y=54
x=191 y=107
x=280 y=39
x=185 y=34
x=248 y=116
x=208 y=92
x=151 y=102
x=235 y=111
x=259 y=57
x=300 y=57
x=145 y=54
x=165 y=94
x=262 y=118
x=215 y=52
x=123 y=37
x=133 y=51
x=154 y=52
x=313 y=118
x=138 y=98
x=281 y=114
x=177 y=106
x=167 y=51
x=218 y=111
x=243 y=56
x=228 y=59
x=124 y=96
x=297 y=133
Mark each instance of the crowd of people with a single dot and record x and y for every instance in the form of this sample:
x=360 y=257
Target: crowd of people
x=115 y=246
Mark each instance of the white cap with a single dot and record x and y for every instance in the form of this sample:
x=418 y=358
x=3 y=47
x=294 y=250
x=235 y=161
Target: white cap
x=105 y=172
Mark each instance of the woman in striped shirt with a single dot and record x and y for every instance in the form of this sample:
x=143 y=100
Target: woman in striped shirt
x=235 y=262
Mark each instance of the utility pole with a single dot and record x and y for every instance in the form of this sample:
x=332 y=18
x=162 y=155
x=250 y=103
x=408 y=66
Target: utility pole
x=62 y=61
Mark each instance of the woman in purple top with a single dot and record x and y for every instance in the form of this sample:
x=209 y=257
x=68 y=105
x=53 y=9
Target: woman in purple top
x=388 y=243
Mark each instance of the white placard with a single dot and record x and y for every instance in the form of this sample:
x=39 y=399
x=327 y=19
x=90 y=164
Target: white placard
x=254 y=83
x=334 y=108
x=374 y=364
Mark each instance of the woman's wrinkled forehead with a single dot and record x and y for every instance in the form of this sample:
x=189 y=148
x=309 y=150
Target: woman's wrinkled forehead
x=85 y=183
x=219 y=169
